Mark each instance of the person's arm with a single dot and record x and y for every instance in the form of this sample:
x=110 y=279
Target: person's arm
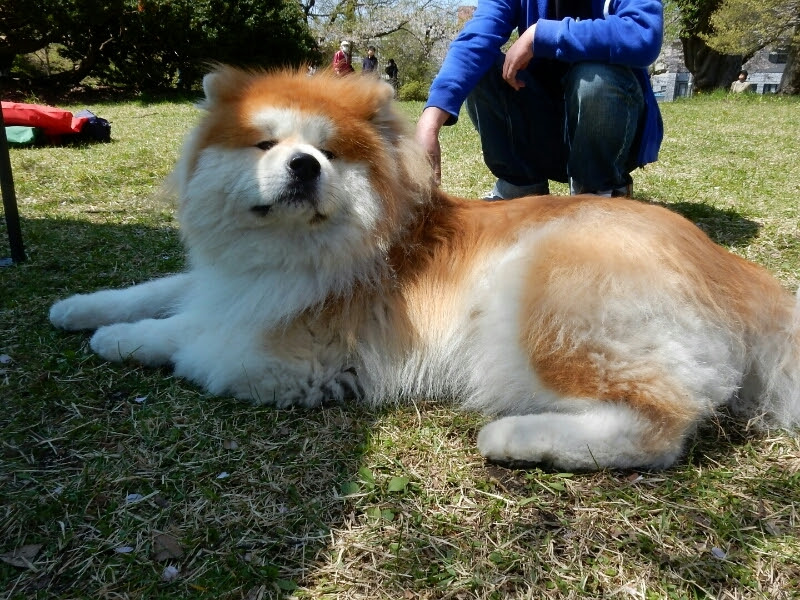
x=428 y=126
x=631 y=34
x=469 y=57
x=476 y=48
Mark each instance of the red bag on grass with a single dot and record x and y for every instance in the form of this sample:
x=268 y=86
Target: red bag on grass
x=51 y=120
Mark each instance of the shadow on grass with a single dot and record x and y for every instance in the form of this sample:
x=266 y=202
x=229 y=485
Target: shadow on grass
x=246 y=495
x=724 y=226
x=26 y=92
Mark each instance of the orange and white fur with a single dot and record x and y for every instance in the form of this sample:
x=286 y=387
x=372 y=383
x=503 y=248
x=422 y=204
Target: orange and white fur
x=324 y=264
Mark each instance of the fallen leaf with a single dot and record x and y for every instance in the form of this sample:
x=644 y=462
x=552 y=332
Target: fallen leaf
x=256 y=593
x=166 y=547
x=771 y=527
x=22 y=557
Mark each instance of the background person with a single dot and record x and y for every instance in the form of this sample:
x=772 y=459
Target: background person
x=342 y=59
x=570 y=101
x=741 y=84
x=391 y=71
x=369 y=64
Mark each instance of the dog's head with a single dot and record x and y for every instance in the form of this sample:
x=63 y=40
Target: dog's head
x=290 y=168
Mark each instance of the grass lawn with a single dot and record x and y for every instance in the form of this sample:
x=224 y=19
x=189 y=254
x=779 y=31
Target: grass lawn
x=118 y=481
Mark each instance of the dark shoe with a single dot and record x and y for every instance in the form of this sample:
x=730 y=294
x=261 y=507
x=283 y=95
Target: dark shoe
x=622 y=191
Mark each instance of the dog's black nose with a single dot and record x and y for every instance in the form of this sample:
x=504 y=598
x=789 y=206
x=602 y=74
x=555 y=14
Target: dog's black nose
x=304 y=166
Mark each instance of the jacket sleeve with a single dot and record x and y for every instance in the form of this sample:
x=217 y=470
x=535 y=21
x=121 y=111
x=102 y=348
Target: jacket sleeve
x=475 y=49
x=630 y=34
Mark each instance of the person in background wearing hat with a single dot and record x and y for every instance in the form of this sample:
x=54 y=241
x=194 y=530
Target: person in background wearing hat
x=342 y=58
x=741 y=84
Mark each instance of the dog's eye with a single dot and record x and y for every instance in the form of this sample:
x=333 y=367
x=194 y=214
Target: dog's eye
x=266 y=144
x=328 y=154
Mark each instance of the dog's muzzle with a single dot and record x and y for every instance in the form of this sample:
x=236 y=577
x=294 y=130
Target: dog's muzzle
x=302 y=185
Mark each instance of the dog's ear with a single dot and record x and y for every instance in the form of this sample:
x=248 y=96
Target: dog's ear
x=384 y=93
x=211 y=84
x=223 y=83
x=385 y=116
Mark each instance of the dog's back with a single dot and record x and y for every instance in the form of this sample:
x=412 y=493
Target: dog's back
x=608 y=328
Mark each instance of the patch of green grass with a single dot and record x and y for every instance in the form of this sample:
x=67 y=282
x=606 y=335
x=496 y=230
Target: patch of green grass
x=100 y=463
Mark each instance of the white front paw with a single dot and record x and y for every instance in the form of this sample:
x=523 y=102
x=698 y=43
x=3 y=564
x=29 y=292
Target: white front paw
x=130 y=341
x=111 y=343
x=73 y=313
x=493 y=441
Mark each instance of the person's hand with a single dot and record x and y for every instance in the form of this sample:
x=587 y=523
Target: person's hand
x=518 y=57
x=428 y=126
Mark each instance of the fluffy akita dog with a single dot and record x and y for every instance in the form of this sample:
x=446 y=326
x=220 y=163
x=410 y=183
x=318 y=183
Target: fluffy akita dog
x=324 y=264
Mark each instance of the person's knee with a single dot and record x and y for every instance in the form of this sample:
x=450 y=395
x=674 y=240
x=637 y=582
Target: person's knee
x=592 y=86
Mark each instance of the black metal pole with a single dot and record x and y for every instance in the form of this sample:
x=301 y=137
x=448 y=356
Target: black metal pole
x=9 y=197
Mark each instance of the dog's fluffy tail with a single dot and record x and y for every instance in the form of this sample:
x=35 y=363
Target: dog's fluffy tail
x=775 y=401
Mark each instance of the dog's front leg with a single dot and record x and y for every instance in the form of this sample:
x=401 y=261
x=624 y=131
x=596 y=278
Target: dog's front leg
x=153 y=299
x=152 y=342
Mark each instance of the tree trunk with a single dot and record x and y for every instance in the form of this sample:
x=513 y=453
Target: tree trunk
x=790 y=80
x=709 y=68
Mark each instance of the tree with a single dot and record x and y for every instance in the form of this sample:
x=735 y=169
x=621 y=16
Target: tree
x=147 y=44
x=710 y=68
x=79 y=27
x=22 y=31
x=746 y=26
x=413 y=32
x=166 y=42
x=83 y=30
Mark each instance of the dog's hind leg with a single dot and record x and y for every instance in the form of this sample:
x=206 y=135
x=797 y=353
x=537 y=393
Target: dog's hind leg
x=605 y=435
x=610 y=405
x=153 y=299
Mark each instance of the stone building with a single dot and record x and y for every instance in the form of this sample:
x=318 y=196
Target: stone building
x=671 y=79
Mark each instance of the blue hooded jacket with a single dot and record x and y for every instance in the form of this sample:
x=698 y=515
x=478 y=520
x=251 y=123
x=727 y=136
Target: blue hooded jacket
x=624 y=32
